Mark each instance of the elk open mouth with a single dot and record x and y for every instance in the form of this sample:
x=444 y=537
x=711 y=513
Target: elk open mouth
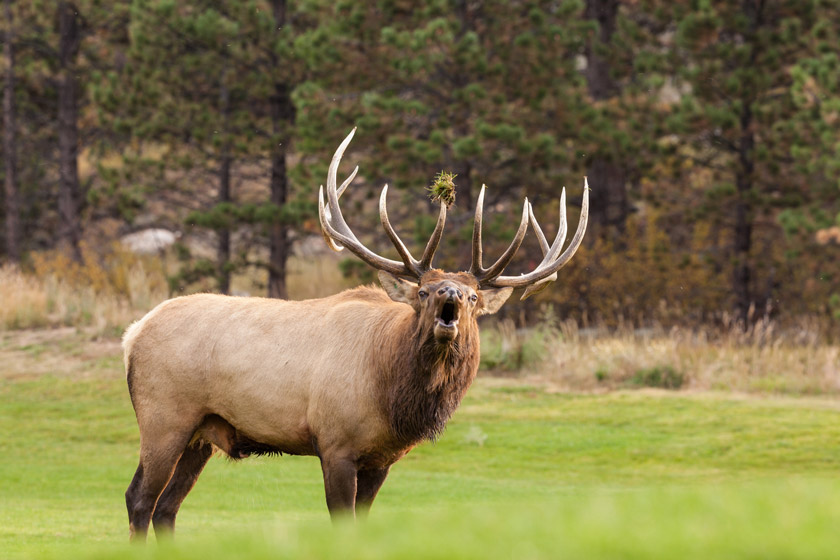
x=448 y=315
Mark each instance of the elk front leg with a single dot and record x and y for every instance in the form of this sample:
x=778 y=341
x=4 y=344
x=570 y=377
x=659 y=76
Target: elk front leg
x=340 y=485
x=369 y=482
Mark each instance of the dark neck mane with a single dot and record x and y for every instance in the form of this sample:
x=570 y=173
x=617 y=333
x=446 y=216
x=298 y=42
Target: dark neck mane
x=427 y=382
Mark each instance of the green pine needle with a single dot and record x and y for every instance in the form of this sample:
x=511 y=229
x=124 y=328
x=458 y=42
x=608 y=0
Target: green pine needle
x=443 y=188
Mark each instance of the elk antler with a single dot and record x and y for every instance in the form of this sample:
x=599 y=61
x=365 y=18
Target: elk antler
x=546 y=272
x=338 y=233
x=481 y=274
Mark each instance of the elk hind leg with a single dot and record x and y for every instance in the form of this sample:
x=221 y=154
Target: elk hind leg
x=158 y=458
x=189 y=467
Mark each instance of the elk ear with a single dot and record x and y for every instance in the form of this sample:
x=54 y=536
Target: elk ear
x=398 y=289
x=493 y=300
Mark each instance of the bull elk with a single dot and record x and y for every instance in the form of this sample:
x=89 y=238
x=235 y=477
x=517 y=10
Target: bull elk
x=357 y=379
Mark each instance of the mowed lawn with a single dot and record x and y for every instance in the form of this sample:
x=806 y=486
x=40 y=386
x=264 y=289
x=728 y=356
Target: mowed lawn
x=519 y=473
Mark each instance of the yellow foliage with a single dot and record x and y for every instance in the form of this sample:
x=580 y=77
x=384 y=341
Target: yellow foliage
x=639 y=278
x=104 y=290
x=23 y=302
x=107 y=272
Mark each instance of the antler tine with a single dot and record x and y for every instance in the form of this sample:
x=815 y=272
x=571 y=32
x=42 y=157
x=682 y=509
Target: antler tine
x=324 y=217
x=330 y=242
x=410 y=262
x=332 y=196
x=549 y=267
x=434 y=240
x=336 y=231
x=347 y=182
x=549 y=253
x=499 y=266
x=327 y=213
x=338 y=241
x=475 y=267
x=538 y=231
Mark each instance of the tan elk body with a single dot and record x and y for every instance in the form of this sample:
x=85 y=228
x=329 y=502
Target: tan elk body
x=357 y=379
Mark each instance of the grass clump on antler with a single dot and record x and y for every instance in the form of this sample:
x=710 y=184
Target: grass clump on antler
x=442 y=188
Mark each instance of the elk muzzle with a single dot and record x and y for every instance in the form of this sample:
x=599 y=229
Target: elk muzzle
x=450 y=301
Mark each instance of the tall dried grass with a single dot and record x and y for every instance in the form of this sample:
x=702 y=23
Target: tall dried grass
x=315 y=277
x=111 y=287
x=763 y=359
x=104 y=291
x=23 y=301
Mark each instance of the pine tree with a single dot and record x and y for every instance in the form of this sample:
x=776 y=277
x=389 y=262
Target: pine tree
x=189 y=106
x=222 y=108
x=815 y=144
x=58 y=48
x=734 y=59
x=813 y=225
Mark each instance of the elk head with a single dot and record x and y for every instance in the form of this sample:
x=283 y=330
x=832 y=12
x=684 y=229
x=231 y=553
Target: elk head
x=445 y=300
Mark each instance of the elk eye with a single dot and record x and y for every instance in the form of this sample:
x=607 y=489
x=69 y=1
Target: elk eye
x=473 y=298
x=422 y=293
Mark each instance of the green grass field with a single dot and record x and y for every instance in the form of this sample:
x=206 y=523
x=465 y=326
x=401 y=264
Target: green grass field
x=519 y=473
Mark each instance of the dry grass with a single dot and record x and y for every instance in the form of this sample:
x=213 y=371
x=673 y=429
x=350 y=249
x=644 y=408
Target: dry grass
x=111 y=288
x=762 y=360
x=315 y=277
x=23 y=301
x=103 y=292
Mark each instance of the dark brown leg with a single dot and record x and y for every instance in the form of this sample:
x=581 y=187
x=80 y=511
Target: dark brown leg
x=340 y=485
x=131 y=495
x=369 y=482
x=186 y=473
x=157 y=464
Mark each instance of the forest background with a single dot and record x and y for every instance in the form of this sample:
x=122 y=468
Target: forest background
x=152 y=148
x=708 y=131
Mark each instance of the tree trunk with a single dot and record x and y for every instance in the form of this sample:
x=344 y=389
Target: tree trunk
x=609 y=195
x=742 y=272
x=282 y=113
x=463 y=172
x=223 y=248
x=223 y=233
x=467 y=15
x=744 y=210
x=12 y=211
x=69 y=196
x=609 y=204
x=604 y=13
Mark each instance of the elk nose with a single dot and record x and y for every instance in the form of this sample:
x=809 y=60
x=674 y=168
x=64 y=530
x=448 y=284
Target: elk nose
x=451 y=293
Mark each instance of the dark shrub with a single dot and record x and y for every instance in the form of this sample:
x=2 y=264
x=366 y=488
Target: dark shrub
x=664 y=377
